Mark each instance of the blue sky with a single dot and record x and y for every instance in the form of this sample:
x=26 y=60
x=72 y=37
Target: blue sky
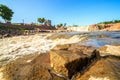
x=80 y=12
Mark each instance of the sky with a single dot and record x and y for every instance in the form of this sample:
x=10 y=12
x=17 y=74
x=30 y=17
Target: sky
x=72 y=12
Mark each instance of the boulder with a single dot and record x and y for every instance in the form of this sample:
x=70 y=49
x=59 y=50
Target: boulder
x=67 y=63
x=110 y=50
x=107 y=68
x=60 y=58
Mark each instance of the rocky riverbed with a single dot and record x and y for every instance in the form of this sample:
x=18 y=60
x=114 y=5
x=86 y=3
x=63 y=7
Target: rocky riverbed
x=61 y=56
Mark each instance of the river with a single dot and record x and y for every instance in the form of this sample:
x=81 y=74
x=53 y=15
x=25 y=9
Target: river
x=15 y=47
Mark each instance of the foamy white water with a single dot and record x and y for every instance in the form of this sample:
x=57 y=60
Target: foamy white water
x=15 y=47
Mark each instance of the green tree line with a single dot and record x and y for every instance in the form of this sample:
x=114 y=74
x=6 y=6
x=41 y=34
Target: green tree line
x=109 y=22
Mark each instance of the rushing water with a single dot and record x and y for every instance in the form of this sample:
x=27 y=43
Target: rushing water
x=15 y=47
x=99 y=39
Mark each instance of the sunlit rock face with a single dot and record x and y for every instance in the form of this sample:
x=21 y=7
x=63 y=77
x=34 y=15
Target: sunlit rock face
x=105 y=27
x=113 y=27
x=70 y=59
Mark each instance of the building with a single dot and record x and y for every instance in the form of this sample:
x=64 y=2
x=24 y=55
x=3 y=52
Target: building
x=48 y=22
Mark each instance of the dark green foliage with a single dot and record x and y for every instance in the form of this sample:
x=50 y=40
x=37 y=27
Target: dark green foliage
x=109 y=22
x=116 y=21
x=41 y=20
x=6 y=13
x=60 y=24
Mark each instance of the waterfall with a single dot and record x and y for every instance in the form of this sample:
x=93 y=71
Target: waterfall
x=81 y=28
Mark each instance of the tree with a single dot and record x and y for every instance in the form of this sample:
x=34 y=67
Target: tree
x=110 y=22
x=116 y=21
x=6 y=13
x=60 y=24
x=41 y=20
